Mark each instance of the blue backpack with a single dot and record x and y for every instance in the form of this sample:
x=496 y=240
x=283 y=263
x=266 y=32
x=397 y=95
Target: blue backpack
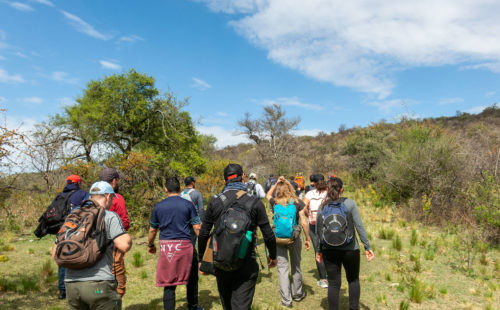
x=284 y=220
x=338 y=227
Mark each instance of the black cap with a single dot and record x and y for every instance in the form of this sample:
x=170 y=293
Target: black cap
x=189 y=180
x=108 y=174
x=316 y=177
x=232 y=171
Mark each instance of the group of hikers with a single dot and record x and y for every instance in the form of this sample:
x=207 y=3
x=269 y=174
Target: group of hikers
x=221 y=239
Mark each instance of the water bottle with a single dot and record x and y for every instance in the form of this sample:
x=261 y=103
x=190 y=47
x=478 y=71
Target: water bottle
x=242 y=252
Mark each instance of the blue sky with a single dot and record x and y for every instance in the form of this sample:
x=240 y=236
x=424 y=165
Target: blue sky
x=330 y=62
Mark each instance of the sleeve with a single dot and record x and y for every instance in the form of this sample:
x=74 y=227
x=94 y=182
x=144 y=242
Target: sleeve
x=206 y=226
x=265 y=228
x=115 y=228
x=199 y=203
x=260 y=192
x=356 y=217
x=193 y=214
x=120 y=208
x=309 y=195
x=154 y=222
x=319 y=231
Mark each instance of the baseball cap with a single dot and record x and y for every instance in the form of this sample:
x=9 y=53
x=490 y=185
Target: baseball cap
x=108 y=174
x=252 y=176
x=101 y=188
x=189 y=180
x=232 y=171
x=73 y=179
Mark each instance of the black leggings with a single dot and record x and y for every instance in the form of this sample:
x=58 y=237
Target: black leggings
x=334 y=259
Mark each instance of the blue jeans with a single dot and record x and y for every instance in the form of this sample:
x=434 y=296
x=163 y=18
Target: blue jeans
x=61 y=272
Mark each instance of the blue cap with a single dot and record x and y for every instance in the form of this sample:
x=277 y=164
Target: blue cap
x=101 y=188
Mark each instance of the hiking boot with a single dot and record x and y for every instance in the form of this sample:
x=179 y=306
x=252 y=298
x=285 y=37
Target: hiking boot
x=300 y=297
x=196 y=308
x=285 y=305
x=323 y=283
x=62 y=295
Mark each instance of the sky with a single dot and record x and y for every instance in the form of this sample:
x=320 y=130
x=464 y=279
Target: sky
x=332 y=63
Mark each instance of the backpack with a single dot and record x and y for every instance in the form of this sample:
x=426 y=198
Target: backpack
x=284 y=220
x=251 y=188
x=185 y=194
x=81 y=241
x=300 y=181
x=232 y=233
x=338 y=227
x=269 y=183
x=51 y=220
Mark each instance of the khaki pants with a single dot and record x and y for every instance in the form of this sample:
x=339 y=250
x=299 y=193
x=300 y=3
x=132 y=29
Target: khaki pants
x=118 y=270
x=99 y=295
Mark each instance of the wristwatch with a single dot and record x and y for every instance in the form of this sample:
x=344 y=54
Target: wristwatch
x=151 y=245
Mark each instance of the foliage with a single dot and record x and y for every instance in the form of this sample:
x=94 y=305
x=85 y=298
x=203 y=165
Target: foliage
x=485 y=199
x=212 y=181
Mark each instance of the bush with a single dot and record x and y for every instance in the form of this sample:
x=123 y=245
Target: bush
x=138 y=259
x=414 y=237
x=397 y=244
x=385 y=234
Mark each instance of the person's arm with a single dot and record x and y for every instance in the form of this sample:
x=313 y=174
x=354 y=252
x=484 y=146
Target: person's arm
x=199 y=203
x=270 y=192
x=196 y=228
x=319 y=233
x=305 y=227
x=306 y=208
x=123 y=243
x=206 y=226
x=151 y=240
x=260 y=191
x=120 y=208
x=360 y=228
x=267 y=233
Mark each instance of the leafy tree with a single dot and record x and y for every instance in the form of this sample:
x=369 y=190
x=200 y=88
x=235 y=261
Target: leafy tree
x=125 y=112
x=272 y=135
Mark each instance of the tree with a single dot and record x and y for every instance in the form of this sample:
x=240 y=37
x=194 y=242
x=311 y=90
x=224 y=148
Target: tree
x=125 y=112
x=272 y=136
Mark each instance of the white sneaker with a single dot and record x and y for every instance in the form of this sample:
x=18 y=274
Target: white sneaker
x=323 y=283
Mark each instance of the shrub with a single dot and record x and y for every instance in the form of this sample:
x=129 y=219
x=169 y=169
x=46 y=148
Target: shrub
x=416 y=292
x=385 y=234
x=404 y=305
x=144 y=274
x=414 y=237
x=397 y=244
x=138 y=260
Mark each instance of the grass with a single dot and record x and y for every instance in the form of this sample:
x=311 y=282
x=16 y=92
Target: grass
x=28 y=279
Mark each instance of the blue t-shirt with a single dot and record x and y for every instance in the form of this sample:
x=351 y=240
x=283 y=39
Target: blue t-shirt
x=174 y=217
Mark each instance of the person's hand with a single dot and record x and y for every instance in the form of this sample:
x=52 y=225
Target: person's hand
x=271 y=263
x=319 y=257
x=152 y=250
x=281 y=179
x=307 y=245
x=369 y=255
x=201 y=272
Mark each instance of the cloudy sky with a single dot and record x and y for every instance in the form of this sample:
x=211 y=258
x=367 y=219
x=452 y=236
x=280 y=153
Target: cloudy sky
x=330 y=62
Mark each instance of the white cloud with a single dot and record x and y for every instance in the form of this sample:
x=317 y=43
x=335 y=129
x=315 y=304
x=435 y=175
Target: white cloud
x=19 y=54
x=65 y=101
x=81 y=26
x=476 y=110
x=46 y=2
x=200 y=84
x=361 y=44
x=32 y=100
x=490 y=94
x=110 y=65
x=224 y=136
x=293 y=102
x=491 y=66
x=21 y=6
x=223 y=114
x=6 y=77
x=62 y=76
x=450 y=100
x=3 y=35
x=386 y=106
x=130 y=39
x=307 y=132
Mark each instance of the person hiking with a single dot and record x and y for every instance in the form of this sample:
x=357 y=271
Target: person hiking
x=313 y=178
x=287 y=207
x=254 y=188
x=346 y=253
x=269 y=182
x=94 y=287
x=313 y=200
x=295 y=185
x=192 y=194
x=76 y=197
x=178 y=260
x=118 y=206
x=236 y=283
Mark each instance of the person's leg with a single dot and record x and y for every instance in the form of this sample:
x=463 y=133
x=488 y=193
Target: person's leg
x=192 y=285
x=297 y=281
x=75 y=301
x=105 y=296
x=283 y=277
x=224 y=287
x=243 y=288
x=333 y=264
x=118 y=269
x=351 y=266
x=315 y=241
x=169 y=297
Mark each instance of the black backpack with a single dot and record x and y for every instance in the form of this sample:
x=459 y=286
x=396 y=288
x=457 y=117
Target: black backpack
x=232 y=233
x=269 y=183
x=251 y=188
x=52 y=219
x=338 y=225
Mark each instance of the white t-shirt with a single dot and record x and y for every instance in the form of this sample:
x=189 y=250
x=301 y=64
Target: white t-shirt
x=315 y=199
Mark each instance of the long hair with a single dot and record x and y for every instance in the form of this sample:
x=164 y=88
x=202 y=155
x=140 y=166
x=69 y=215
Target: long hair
x=284 y=192
x=334 y=191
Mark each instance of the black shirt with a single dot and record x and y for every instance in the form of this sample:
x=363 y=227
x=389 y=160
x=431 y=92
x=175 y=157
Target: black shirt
x=258 y=217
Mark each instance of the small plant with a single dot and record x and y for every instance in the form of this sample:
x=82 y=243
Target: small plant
x=31 y=251
x=429 y=254
x=397 y=244
x=138 y=260
x=416 y=291
x=483 y=259
x=382 y=299
x=46 y=272
x=371 y=278
x=418 y=266
x=385 y=234
x=3 y=258
x=8 y=248
x=404 y=305
x=144 y=274
x=414 y=237
x=413 y=256
x=443 y=291
x=388 y=277
x=402 y=223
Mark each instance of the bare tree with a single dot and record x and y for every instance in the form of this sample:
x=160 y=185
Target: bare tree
x=272 y=135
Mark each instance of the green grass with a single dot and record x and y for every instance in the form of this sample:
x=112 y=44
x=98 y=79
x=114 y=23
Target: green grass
x=28 y=279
